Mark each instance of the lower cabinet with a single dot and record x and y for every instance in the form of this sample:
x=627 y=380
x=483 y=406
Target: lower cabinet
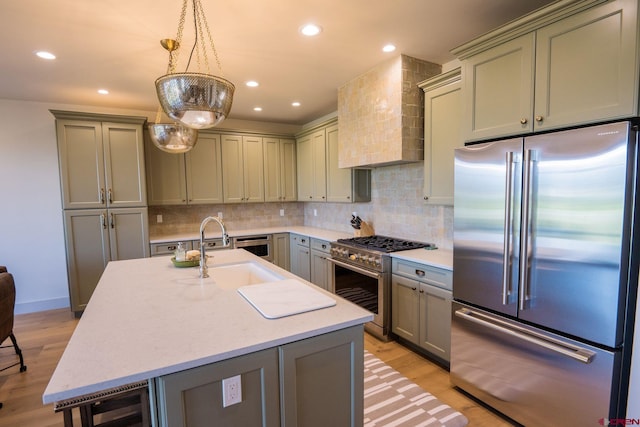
x=300 y=256
x=319 y=264
x=280 y=246
x=313 y=382
x=421 y=307
x=94 y=237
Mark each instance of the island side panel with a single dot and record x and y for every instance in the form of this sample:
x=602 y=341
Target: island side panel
x=323 y=372
x=195 y=397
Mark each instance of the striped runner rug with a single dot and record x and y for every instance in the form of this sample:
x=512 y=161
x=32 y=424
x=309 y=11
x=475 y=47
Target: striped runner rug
x=391 y=400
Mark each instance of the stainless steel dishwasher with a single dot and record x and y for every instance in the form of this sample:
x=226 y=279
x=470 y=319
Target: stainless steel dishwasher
x=259 y=245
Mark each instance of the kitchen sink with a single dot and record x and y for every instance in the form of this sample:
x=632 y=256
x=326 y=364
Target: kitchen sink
x=242 y=274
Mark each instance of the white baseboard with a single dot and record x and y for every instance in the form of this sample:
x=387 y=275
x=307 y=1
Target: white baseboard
x=42 y=305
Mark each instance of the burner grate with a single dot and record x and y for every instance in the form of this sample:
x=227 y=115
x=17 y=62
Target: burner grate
x=383 y=243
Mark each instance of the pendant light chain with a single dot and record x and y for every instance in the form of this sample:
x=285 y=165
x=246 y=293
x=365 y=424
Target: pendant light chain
x=209 y=38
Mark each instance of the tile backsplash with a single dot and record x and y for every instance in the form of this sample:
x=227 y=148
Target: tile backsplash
x=396 y=209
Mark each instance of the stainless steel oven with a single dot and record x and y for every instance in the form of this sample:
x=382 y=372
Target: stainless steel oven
x=361 y=273
x=259 y=245
x=368 y=288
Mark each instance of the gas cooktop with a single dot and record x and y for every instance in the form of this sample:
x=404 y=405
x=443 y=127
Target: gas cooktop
x=384 y=243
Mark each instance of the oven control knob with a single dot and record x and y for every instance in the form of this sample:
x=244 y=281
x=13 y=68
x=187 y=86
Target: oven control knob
x=353 y=257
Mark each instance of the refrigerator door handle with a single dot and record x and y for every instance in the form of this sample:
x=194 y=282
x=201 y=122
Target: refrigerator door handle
x=577 y=353
x=523 y=295
x=511 y=158
x=508 y=213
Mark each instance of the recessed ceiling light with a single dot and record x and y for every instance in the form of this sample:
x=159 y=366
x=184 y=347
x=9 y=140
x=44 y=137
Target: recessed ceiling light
x=388 y=48
x=252 y=83
x=295 y=104
x=257 y=108
x=310 y=30
x=103 y=92
x=45 y=55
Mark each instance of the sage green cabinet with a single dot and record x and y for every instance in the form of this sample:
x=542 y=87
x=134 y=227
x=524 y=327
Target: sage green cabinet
x=338 y=180
x=568 y=64
x=101 y=159
x=290 y=385
x=311 y=167
x=195 y=397
x=322 y=380
x=243 y=171
x=319 y=264
x=442 y=135
x=300 y=256
x=421 y=306
x=319 y=177
x=280 y=170
x=94 y=237
x=194 y=177
x=281 y=251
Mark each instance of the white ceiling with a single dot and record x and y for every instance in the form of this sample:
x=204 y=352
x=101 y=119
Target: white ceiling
x=114 y=44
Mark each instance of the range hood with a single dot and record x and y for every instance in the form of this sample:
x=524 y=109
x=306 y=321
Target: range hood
x=381 y=114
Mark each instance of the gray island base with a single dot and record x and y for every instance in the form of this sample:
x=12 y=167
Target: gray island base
x=148 y=320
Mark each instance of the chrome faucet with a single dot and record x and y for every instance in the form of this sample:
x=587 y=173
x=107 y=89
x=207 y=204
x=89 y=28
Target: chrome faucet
x=204 y=269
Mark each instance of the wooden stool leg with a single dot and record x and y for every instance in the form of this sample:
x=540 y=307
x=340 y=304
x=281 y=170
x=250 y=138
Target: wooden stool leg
x=68 y=417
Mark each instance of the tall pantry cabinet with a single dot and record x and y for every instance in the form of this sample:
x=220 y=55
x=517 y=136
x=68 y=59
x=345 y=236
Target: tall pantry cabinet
x=102 y=177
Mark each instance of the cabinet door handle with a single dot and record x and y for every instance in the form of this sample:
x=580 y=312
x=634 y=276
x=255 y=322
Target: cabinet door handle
x=539 y=118
x=112 y=223
x=103 y=223
x=524 y=121
x=420 y=273
x=426 y=197
x=413 y=288
x=110 y=196
x=101 y=196
x=421 y=291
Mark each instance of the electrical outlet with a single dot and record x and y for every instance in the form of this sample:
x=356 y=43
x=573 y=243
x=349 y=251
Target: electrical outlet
x=315 y=212
x=231 y=391
x=220 y=215
x=281 y=212
x=159 y=219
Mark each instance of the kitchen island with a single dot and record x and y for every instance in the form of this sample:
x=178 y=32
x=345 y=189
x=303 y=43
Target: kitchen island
x=148 y=320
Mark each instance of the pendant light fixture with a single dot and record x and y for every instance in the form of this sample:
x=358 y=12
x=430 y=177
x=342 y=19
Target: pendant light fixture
x=173 y=138
x=198 y=100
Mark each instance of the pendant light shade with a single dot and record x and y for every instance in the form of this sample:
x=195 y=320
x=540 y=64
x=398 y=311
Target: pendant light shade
x=196 y=100
x=173 y=137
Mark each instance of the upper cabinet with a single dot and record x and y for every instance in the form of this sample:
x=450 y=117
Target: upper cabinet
x=194 y=177
x=312 y=168
x=442 y=123
x=101 y=160
x=279 y=170
x=319 y=177
x=572 y=63
x=243 y=170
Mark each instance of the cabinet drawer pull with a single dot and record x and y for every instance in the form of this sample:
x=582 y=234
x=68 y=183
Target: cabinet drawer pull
x=524 y=121
x=172 y=248
x=420 y=273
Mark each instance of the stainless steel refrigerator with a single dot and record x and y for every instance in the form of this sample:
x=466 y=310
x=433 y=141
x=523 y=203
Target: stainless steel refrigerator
x=545 y=273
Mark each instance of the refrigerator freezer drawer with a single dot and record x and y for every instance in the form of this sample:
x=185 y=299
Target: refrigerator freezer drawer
x=532 y=376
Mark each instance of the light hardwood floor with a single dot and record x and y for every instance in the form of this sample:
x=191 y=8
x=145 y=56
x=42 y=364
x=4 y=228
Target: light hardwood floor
x=44 y=335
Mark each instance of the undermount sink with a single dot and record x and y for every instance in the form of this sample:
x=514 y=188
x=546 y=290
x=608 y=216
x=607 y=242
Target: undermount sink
x=242 y=274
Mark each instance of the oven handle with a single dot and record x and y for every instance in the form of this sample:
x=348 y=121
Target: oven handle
x=368 y=273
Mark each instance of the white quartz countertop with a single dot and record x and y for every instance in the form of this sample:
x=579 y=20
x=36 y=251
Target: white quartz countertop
x=441 y=258
x=213 y=232
x=147 y=318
